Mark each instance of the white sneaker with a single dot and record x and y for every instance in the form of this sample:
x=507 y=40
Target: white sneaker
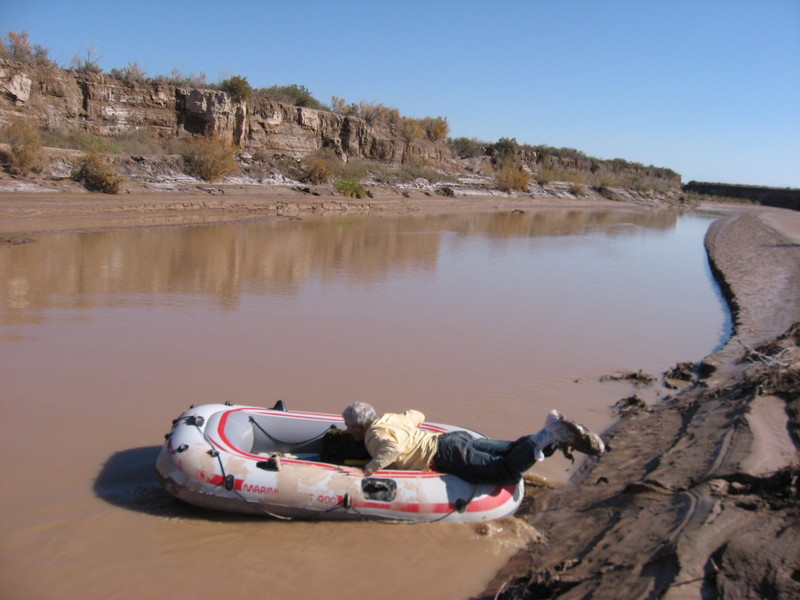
x=568 y=435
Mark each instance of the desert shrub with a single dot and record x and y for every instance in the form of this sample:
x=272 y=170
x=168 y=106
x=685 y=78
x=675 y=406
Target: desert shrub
x=89 y=64
x=130 y=72
x=238 y=87
x=179 y=79
x=25 y=143
x=350 y=187
x=17 y=46
x=97 y=174
x=513 y=177
x=577 y=189
x=605 y=192
x=317 y=171
x=545 y=176
x=373 y=113
x=296 y=95
x=411 y=130
x=468 y=147
x=210 y=159
x=341 y=107
x=504 y=152
x=436 y=128
x=322 y=166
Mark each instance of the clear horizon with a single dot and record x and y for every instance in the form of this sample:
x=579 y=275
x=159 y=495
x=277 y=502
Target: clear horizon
x=708 y=89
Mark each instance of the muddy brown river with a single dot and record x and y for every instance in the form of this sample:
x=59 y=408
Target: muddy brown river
x=483 y=320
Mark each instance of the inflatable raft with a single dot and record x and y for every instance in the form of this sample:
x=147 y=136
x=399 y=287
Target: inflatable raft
x=266 y=461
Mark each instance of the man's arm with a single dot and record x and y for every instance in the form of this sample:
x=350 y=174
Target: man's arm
x=387 y=452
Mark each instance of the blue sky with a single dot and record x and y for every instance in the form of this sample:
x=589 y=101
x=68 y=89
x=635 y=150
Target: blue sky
x=709 y=88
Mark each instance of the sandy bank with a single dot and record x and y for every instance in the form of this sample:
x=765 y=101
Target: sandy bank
x=698 y=497
x=66 y=210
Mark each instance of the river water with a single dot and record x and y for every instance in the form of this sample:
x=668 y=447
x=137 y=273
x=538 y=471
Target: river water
x=483 y=320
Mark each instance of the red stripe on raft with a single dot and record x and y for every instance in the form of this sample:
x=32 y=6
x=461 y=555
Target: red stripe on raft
x=499 y=496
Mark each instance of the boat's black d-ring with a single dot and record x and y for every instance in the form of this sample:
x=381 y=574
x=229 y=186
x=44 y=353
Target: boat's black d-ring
x=230 y=480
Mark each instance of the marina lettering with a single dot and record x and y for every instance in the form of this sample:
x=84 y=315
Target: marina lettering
x=259 y=489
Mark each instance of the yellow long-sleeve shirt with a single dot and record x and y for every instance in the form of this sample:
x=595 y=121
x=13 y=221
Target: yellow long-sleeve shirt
x=395 y=440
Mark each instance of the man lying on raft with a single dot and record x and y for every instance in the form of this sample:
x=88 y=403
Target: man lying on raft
x=396 y=441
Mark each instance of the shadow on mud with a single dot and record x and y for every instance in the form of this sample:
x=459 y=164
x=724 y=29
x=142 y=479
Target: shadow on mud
x=128 y=480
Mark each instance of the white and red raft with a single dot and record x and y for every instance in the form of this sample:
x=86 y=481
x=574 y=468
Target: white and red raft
x=265 y=461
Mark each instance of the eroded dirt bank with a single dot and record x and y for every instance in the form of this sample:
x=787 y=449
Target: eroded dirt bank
x=699 y=496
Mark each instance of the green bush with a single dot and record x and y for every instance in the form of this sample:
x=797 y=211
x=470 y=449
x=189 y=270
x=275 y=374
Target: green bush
x=25 y=143
x=468 y=147
x=296 y=95
x=238 y=87
x=97 y=174
x=351 y=188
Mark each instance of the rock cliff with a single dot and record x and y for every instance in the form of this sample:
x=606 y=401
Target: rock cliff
x=66 y=101
x=57 y=99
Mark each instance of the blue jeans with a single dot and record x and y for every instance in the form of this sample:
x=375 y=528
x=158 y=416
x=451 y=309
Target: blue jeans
x=484 y=460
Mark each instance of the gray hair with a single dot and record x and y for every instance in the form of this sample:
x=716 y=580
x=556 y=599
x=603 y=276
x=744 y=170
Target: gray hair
x=359 y=414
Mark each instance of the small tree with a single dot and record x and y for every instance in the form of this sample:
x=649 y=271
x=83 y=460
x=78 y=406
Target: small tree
x=17 y=46
x=411 y=130
x=436 y=128
x=25 y=144
x=238 y=87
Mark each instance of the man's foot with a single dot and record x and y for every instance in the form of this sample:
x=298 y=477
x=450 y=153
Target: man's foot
x=568 y=435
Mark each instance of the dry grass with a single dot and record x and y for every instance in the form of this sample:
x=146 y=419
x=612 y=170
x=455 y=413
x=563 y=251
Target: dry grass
x=25 y=142
x=210 y=159
x=97 y=174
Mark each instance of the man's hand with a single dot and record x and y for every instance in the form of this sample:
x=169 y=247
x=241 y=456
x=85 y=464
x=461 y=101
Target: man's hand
x=354 y=471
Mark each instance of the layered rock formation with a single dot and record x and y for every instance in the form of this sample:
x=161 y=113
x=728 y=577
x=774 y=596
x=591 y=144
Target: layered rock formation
x=57 y=99
x=60 y=100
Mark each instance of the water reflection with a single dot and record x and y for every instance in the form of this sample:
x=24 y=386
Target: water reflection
x=222 y=261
